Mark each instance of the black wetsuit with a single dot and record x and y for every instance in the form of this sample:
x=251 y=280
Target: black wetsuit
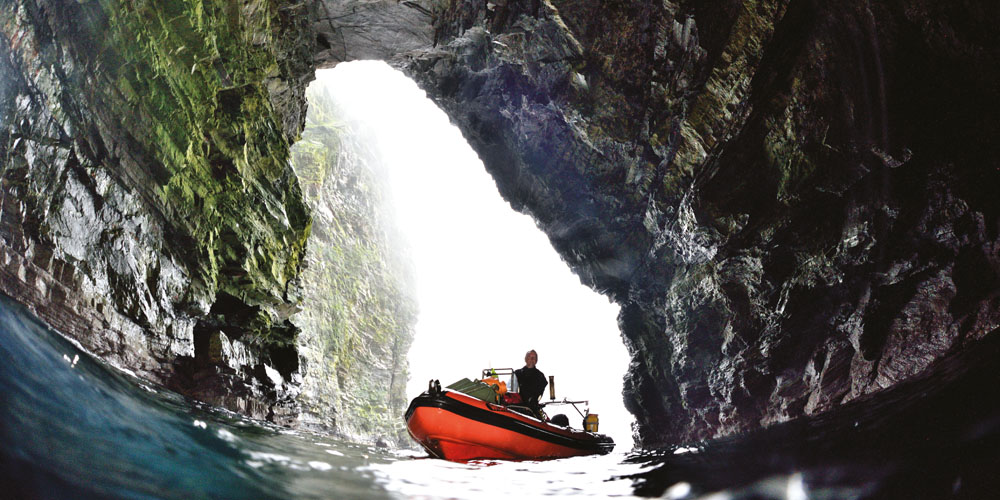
x=531 y=384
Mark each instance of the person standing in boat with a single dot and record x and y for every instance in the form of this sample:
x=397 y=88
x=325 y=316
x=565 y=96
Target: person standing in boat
x=530 y=381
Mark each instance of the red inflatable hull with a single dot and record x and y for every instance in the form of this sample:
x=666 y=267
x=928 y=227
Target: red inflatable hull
x=457 y=427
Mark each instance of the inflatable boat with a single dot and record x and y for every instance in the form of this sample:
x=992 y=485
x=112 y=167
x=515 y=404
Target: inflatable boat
x=489 y=424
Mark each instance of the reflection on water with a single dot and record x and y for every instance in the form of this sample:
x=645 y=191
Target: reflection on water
x=596 y=476
x=71 y=428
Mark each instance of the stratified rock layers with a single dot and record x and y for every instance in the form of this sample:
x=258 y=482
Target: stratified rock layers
x=793 y=201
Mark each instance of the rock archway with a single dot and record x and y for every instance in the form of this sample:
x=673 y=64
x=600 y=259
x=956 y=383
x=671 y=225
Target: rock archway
x=761 y=186
x=792 y=201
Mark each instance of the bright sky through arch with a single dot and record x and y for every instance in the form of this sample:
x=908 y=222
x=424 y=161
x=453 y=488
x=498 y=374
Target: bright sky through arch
x=490 y=285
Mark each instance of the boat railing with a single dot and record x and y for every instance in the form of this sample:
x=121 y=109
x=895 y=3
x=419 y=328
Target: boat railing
x=507 y=375
x=504 y=374
x=565 y=401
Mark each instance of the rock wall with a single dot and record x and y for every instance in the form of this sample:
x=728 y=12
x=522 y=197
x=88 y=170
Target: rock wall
x=791 y=200
x=148 y=209
x=358 y=307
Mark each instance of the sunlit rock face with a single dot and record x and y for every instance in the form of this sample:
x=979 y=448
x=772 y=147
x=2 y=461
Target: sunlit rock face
x=794 y=202
x=358 y=310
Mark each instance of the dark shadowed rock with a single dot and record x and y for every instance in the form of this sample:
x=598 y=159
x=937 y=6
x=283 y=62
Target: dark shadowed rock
x=788 y=199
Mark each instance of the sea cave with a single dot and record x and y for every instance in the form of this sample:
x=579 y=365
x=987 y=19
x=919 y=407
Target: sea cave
x=791 y=202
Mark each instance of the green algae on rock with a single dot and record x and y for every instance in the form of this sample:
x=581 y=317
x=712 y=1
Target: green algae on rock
x=197 y=72
x=358 y=311
x=167 y=211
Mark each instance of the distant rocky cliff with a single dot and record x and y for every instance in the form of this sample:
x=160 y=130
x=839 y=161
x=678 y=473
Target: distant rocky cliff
x=358 y=309
x=792 y=200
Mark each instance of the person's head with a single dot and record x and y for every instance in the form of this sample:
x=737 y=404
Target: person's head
x=530 y=358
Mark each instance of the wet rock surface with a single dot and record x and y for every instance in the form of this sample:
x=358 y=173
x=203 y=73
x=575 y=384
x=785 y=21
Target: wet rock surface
x=348 y=30
x=789 y=199
x=934 y=435
x=148 y=210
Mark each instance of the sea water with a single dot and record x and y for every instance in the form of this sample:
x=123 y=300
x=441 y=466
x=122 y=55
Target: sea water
x=74 y=428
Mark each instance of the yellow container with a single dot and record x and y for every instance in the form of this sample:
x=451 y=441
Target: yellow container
x=590 y=423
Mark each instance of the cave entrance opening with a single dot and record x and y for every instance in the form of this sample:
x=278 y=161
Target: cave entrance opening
x=489 y=285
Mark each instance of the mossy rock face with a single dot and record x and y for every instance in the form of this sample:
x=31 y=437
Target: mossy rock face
x=150 y=209
x=358 y=311
x=147 y=146
x=198 y=71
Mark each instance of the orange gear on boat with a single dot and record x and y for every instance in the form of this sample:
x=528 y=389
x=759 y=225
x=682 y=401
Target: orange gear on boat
x=498 y=385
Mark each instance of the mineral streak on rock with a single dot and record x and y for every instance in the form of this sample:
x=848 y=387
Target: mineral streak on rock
x=793 y=201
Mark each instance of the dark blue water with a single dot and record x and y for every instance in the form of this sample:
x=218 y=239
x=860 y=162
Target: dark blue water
x=74 y=428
